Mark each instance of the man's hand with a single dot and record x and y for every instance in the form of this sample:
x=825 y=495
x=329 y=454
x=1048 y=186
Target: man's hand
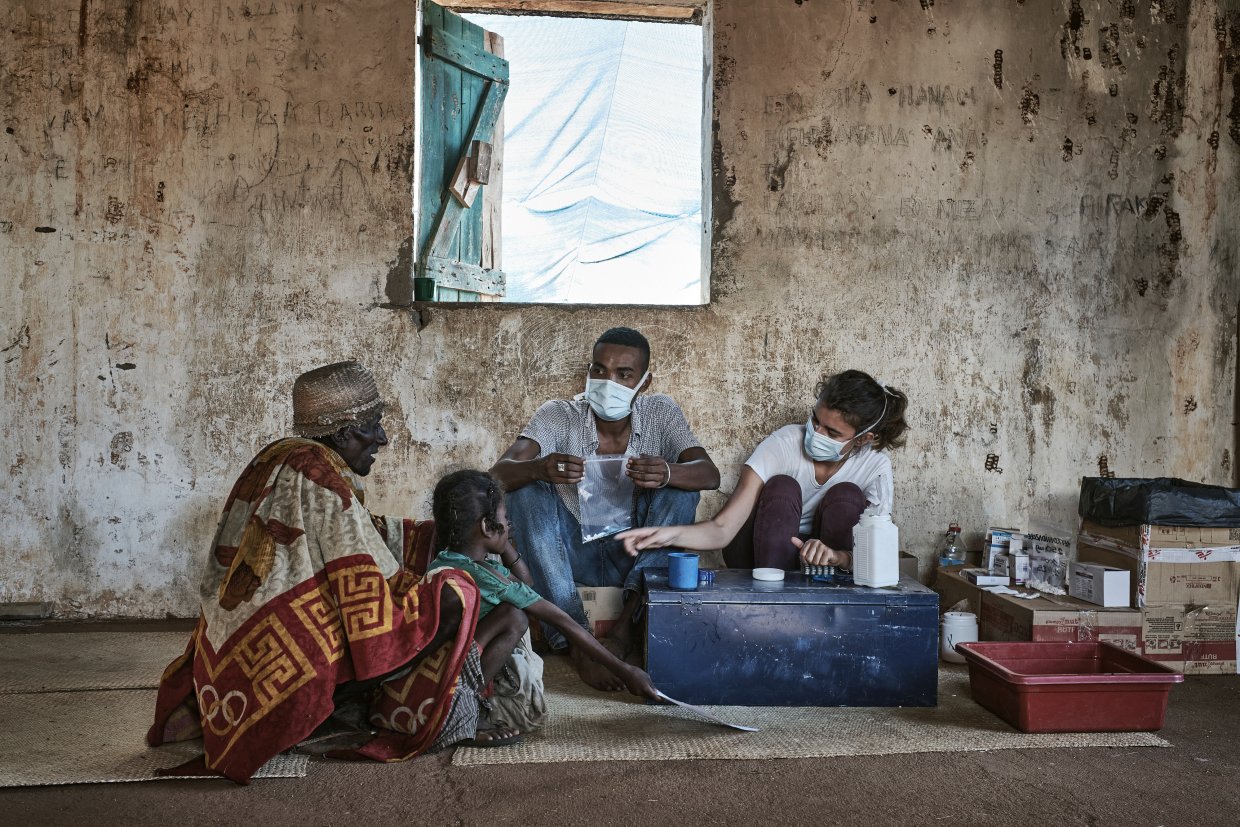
x=638 y=682
x=648 y=471
x=561 y=469
x=639 y=539
x=817 y=553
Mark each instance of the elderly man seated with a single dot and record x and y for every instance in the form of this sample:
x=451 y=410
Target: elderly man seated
x=308 y=599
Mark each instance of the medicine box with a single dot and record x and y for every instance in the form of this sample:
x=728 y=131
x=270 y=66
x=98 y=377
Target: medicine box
x=1014 y=566
x=1096 y=583
x=603 y=605
x=999 y=541
x=796 y=642
x=981 y=577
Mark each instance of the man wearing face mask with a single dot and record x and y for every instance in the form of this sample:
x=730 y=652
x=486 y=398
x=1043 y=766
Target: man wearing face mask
x=805 y=486
x=542 y=468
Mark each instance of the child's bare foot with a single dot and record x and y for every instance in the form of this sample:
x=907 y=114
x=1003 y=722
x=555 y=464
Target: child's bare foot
x=492 y=735
x=595 y=674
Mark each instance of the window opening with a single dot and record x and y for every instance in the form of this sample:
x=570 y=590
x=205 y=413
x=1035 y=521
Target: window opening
x=599 y=176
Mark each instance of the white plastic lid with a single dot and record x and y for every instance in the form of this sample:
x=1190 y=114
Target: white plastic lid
x=768 y=574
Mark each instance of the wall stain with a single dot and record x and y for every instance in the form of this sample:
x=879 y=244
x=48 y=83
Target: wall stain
x=1229 y=53
x=83 y=17
x=1166 y=103
x=1035 y=392
x=120 y=447
x=822 y=143
x=723 y=204
x=399 y=286
x=1169 y=252
x=1030 y=103
x=775 y=172
x=1070 y=37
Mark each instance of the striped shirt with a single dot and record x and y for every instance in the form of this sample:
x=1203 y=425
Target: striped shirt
x=563 y=426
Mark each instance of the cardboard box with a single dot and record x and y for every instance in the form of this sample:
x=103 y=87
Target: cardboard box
x=603 y=605
x=1060 y=619
x=1146 y=537
x=908 y=565
x=1096 y=583
x=1196 y=640
x=981 y=577
x=953 y=588
x=1165 y=576
x=1013 y=565
x=999 y=541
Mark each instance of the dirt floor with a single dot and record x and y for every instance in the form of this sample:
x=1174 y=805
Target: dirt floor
x=1195 y=782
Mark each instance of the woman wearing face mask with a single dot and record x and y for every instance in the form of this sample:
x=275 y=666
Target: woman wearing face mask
x=805 y=486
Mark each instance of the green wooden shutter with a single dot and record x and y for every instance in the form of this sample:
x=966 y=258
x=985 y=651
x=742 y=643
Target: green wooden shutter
x=463 y=84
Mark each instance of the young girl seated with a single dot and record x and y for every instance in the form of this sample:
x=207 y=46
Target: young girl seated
x=805 y=486
x=471 y=522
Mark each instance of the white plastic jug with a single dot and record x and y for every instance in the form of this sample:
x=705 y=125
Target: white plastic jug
x=876 y=551
x=958 y=627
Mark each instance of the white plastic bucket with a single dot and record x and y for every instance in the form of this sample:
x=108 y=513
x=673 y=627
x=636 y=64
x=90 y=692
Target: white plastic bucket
x=958 y=627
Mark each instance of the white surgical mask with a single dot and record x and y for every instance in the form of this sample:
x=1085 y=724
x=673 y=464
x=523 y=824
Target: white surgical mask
x=822 y=448
x=610 y=400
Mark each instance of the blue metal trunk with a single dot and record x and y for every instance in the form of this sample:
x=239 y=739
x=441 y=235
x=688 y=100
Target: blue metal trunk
x=798 y=642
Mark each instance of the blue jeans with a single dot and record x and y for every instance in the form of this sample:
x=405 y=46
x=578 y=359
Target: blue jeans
x=548 y=537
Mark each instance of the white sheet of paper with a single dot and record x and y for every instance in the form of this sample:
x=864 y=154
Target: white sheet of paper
x=697 y=710
x=1012 y=592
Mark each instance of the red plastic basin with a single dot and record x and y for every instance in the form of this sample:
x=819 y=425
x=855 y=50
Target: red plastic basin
x=1069 y=687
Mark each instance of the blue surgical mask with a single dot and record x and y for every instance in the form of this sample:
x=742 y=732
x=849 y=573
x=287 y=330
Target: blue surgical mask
x=610 y=400
x=820 y=447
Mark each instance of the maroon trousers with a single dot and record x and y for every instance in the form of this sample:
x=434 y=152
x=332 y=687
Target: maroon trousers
x=765 y=541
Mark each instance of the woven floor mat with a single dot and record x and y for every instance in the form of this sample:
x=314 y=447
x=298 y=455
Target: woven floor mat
x=86 y=660
x=90 y=737
x=586 y=725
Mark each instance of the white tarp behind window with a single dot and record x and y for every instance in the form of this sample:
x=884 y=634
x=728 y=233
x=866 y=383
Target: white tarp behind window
x=602 y=160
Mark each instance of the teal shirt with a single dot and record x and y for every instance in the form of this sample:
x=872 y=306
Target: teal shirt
x=493 y=590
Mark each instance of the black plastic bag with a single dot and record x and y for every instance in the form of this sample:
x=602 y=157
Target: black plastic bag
x=1158 y=501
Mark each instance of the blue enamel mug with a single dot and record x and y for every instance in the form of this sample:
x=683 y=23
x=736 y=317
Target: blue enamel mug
x=682 y=571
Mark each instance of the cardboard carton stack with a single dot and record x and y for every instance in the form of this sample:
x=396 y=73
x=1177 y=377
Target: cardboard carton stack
x=1140 y=579
x=1186 y=581
x=1003 y=617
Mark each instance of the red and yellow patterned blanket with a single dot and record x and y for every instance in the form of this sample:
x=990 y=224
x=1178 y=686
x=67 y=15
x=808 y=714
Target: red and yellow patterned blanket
x=304 y=590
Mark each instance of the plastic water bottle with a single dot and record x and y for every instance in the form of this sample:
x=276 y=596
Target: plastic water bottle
x=951 y=551
x=876 y=551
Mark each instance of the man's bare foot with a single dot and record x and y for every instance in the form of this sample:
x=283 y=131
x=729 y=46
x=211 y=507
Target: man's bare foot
x=595 y=674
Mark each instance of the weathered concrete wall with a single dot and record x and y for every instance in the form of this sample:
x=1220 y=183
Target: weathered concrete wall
x=1017 y=212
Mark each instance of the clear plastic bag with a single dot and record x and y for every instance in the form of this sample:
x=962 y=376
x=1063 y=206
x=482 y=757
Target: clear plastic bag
x=605 y=494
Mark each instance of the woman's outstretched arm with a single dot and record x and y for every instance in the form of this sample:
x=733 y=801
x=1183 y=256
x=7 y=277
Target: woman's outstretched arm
x=714 y=533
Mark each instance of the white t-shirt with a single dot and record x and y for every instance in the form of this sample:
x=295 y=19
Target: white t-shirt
x=782 y=453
